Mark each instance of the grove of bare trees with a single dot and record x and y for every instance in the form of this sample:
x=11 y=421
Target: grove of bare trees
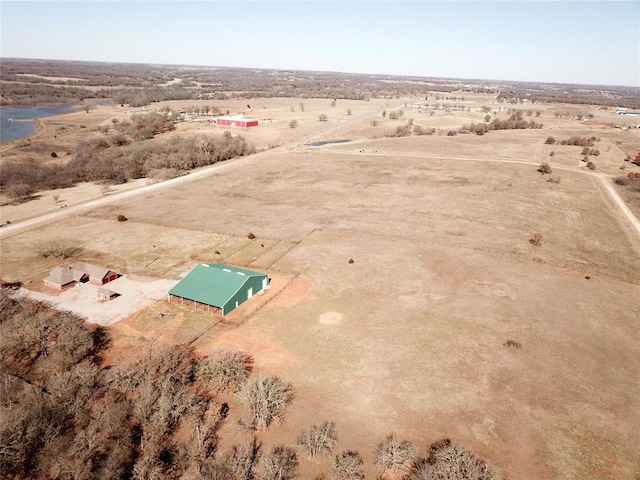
x=129 y=153
x=155 y=416
x=67 y=414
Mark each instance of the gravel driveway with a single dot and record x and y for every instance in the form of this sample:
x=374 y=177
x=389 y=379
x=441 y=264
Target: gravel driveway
x=83 y=300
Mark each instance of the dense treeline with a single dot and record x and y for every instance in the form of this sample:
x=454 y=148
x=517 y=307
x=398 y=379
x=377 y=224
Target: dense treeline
x=158 y=415
x=147 y=95
x=573 y=94
x=138 y=85
x=155 y=416
x=119 y=154
x=514 y=122
x=96 y=74
x=27 y=94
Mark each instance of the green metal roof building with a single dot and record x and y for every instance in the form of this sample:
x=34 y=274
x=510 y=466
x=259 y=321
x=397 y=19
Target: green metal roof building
x=219 y=285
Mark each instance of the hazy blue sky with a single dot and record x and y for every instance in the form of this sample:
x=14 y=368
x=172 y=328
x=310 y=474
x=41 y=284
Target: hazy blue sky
x=571 y=41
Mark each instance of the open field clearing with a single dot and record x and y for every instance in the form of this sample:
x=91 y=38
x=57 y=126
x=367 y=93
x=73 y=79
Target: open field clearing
x=449 y=322
x=411 y=337
x=62 y=133
x=423 y=200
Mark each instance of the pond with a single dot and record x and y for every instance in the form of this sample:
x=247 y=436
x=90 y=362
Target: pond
x=18 y=122
x=320 y=143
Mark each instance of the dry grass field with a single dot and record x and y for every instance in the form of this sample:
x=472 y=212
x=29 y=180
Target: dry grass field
x=411 y=337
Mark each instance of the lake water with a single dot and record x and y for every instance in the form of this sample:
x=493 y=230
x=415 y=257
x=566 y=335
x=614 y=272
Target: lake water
x=18 y=122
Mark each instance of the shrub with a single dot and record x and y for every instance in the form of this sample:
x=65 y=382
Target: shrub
x=544 y=168
x=552 y=153
x=122 y=218
x=591 y=165
x=402 y=131
x=293 y=123
x=553 y=179
x=322 y=117
x=536 y=239
x=351 y=260
x=512 y=343
x=54 y=155
x=579 y=141
x=251 y=236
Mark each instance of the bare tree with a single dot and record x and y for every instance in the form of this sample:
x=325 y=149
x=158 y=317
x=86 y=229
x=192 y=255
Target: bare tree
x=227 y=370
x=349 y=112
x=241 y=460
x=348 y=466
x=55 y=247
x=19 y=192
x=266 y=398
x=279 y=464
x=392 y=454
x=213 y=470
x=447 y=460
x=318 y=439
x=293 y=123
x=301 y=107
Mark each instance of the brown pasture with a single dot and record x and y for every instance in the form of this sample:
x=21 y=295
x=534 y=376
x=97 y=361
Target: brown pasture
x=411 y=337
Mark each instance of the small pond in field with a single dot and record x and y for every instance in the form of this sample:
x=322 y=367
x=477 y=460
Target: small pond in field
x=320 y=143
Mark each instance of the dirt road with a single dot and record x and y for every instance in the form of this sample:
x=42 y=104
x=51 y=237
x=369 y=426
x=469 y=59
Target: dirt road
x=13 y=229
x=8 y=230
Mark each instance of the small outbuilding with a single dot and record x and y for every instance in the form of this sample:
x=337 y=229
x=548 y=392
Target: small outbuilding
x=217 y=285
x=104 y=294
x=236 y=121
